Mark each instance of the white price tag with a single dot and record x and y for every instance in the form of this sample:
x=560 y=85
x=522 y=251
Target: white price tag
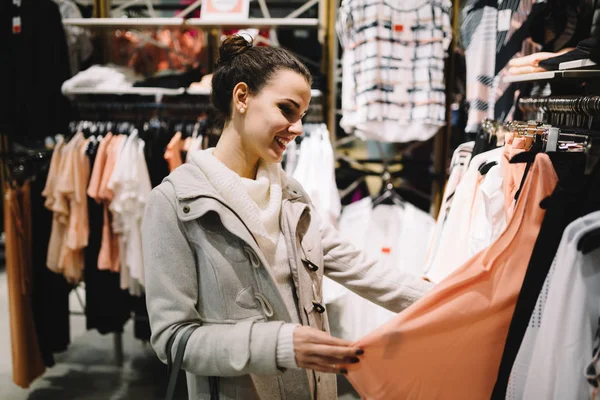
x=16 y=25
x=504 y=18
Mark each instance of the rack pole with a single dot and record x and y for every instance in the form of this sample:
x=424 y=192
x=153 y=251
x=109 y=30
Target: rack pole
x=441 y=147
x=330 y=49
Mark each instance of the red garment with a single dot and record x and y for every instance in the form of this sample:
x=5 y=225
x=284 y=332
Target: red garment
x=449 y=344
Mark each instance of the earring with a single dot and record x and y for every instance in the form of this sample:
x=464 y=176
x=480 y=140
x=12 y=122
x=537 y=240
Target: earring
x=243 y=110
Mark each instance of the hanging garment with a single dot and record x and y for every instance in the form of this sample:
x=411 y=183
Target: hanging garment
x=27 y=362
x=564 y=343
x=391 y=234
x=315 y=171
x=78 y=39
x=130 y=184
x=107 y=254
x=382 y=41
x=571 y=326
x=109 y=258
x=451 y=340
x=478 y=34
x=70 y=226
x=173 y=152
x=35 y=63
x=566 y=203
x=50 y=291
x=459 y=241
x=458 y=167
x=107 y=307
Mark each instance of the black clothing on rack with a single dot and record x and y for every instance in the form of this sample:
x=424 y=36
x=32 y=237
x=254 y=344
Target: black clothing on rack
x=172 y=81
x=34 y=64
x=574 y=196
x=50 y=291
x=107 y=306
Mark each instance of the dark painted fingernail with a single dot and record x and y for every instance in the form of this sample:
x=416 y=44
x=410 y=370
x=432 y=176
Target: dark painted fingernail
x=360 y=352
x=343 y=371
x=354 y=361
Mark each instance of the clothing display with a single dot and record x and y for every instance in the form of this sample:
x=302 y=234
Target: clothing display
x=588 y=49
x=35 y=63
x=494 y=34
x=27 y=363
x=382 y=41
x=315 y=170
x=557 y=345
x=393 y=235
x=478 y=35
x=78 y=39
x=458 y=167
x=475 y=219
x=65 y=194
x=470 y=341
x=102 y=77
x=130 y=185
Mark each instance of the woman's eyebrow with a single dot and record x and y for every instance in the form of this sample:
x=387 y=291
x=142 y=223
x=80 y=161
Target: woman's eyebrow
x=293 y=102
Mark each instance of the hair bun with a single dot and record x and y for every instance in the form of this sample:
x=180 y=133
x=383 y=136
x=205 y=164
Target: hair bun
x=231 y=47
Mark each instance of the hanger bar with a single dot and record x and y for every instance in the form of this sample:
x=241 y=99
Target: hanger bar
x=108 y=23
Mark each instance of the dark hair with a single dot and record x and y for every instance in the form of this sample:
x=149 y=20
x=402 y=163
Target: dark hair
x=239 y=61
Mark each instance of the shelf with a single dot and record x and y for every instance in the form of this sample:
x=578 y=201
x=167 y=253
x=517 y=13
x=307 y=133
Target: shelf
x=206 y=92
x=191 y=23
x=549 y=75
x=151 y=91
x=576 y=64
x=140 y=91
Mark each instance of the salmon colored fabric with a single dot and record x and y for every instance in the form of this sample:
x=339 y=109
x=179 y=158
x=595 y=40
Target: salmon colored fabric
x=27 y=362
x=58 y=226
x=65 y=193
x=449 y=344
x=59 y=256
x=78 y=228
x=108 y=257
x=99 y=164
x=173 y=152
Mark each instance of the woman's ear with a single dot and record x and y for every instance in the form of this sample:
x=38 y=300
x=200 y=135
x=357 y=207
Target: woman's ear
x=240 y=97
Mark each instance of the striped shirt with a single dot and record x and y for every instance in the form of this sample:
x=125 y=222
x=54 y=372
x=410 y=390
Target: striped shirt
x=393 y=82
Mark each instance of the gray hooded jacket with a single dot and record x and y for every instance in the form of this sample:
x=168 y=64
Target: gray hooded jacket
x=204 y=269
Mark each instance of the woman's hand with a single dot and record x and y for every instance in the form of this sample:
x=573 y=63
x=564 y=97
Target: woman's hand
x=318 y=351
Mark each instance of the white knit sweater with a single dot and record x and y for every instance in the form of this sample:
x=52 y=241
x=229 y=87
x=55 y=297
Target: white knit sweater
x=258 y=202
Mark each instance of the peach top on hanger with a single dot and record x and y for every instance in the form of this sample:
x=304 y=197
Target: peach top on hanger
x=108 y=257
x=173 y=152
x=448 y=345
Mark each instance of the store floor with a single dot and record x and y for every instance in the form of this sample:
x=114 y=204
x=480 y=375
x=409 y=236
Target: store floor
x=87 y=371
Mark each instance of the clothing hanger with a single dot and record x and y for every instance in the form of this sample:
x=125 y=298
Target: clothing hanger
x=388 y=193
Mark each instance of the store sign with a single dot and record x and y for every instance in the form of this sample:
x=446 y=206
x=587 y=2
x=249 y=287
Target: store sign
x=234 y=10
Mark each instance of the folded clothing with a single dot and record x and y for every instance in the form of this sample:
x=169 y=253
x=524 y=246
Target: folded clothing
x=107 y=77
x=586 y=49
x=172 y=81
x=531 y=60
x=526 y=69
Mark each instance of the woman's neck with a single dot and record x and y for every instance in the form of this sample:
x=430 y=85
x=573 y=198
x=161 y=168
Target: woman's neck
x=230 y=151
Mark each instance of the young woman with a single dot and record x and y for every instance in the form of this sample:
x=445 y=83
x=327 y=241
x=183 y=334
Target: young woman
x=234 y=249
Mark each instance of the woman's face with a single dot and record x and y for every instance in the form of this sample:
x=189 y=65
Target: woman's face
x=274 y=115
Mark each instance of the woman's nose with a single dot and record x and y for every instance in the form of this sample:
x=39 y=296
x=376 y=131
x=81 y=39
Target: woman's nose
x=296 y=128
